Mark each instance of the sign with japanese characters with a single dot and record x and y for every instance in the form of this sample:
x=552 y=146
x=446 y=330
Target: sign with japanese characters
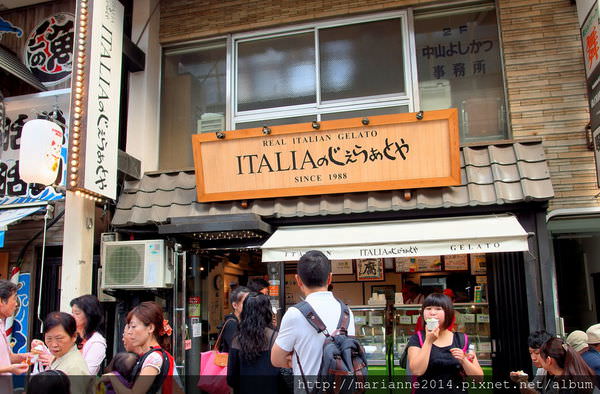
x=590 y=35
x=48 y=105
x=96 y=100
x=49 y=49
x=339 y=156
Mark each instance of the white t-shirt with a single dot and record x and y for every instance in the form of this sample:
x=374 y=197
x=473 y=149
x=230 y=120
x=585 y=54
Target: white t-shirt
x=295 y=333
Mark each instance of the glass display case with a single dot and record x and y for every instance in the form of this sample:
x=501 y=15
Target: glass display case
x=471 y=318
x=369 y=322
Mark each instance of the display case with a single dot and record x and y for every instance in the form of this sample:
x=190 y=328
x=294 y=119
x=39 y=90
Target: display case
x=471 y=318
x=369 y=322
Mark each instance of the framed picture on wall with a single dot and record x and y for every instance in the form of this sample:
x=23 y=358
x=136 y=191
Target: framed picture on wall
x=370 y=269
x=342 y=267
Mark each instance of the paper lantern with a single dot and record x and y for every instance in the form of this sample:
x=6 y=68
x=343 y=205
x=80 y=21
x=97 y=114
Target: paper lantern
x=39 y=156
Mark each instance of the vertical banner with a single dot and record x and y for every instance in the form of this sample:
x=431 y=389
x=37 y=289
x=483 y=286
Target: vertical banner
x=104 y=98
x=20 y=326
x=97 y=98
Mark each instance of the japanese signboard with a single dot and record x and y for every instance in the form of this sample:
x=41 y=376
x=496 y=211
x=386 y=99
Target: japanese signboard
x=19 y=110
x=341 y=156
x=49 y=49
x=100 y=107
x=590 y=35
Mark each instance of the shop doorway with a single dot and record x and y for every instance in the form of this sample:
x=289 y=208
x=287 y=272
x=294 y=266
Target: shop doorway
x=508 y=313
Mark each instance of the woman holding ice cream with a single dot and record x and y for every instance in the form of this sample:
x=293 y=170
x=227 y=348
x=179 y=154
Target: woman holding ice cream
x=439 y=357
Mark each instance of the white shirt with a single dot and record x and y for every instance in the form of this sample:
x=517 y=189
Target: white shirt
x=295 y=333
x=94 y=352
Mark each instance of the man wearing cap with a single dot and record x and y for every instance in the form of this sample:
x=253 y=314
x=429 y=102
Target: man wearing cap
x=592 y=356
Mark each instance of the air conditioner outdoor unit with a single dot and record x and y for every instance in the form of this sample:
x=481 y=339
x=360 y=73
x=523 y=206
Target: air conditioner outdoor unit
x=211 y=123
x=136 y=265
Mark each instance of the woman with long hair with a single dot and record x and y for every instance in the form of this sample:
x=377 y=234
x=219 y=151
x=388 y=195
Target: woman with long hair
x=89 y=317
x=569 y=372
x=148 y=332
x=437 y=354
x=249 y=361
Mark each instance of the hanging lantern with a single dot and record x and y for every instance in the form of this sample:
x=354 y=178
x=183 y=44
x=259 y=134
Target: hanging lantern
x=39 y=156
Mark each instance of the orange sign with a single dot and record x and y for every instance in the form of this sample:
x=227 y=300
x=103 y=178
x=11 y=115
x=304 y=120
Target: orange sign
x=340 y=156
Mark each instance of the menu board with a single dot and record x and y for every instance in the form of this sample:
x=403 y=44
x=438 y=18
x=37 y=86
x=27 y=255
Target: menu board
x=456 y=262
x=406 y=264
x=342 y=267
x=429 y=263
x=478 y=264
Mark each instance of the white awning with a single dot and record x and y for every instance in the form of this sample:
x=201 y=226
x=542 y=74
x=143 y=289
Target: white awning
x=424 y=237
x=8 y=216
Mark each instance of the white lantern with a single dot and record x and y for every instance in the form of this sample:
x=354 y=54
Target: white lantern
x=39 y=156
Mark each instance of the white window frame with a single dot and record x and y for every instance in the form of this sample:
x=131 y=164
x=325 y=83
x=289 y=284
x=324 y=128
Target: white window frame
x=408 y=98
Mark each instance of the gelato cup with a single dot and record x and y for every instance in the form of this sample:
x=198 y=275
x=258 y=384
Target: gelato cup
x=432 y=324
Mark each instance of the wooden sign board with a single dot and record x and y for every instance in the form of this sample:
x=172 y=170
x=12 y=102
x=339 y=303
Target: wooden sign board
x=341 y=156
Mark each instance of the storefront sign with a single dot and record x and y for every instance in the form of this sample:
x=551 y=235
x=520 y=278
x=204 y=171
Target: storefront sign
x=390 y=152
x=97 y=112
x=590 y=37
x=51 y=105
x=590 y=40
x=49 y=49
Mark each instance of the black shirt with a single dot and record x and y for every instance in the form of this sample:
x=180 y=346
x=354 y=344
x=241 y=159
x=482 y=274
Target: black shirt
x=230 y=329
x=444 y=372
x=254 y=376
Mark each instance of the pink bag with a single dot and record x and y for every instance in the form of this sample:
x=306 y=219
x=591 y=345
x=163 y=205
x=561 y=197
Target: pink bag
x=213 y=369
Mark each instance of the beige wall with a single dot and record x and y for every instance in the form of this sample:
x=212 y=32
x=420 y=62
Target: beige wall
x=543 y=67
x=547 y=94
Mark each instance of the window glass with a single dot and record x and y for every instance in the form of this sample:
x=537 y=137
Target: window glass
x=359 y=60
x=365 y=112
x=458 y=61
x=193 y=100
x=276 y=122
x=276 y=72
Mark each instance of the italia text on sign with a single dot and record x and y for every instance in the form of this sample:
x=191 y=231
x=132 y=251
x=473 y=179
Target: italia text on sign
x=341 y=156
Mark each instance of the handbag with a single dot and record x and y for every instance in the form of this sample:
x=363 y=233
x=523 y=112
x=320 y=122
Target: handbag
x=213 y=368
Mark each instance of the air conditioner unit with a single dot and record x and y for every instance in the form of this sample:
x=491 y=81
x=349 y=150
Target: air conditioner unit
x=211 y=123
x=136 y=265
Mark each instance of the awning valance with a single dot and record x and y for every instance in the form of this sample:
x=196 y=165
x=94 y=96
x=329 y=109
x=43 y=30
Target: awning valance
x=425 y=237
x=8 y=216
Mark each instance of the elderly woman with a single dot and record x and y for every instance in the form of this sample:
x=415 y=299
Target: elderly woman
x=89 y=316
x=60 y=336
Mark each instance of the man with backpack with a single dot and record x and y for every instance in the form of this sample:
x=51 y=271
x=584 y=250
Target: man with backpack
x=313 y=325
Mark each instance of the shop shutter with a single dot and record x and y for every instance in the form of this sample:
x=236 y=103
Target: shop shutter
x=508 y=314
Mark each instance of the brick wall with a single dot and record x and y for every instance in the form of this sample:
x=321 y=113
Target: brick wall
x=543 y=64
x=546 y=92
x=182 y=20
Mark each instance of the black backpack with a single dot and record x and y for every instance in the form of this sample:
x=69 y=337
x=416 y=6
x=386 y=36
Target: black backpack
x=344 y=363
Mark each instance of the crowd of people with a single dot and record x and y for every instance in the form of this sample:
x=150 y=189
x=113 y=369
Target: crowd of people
x=73 y=350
